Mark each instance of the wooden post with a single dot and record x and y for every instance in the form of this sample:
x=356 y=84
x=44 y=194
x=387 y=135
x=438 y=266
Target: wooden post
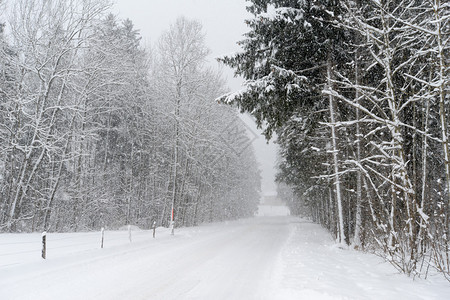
x=154 y=228
x=103 y=236
x=44 y=244
x=129 y=232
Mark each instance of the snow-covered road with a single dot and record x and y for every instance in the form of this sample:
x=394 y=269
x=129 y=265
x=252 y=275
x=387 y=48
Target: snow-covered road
x=223 y=261
x=260 y=258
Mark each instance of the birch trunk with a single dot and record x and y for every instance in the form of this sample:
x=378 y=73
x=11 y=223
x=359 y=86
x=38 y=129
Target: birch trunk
x=337 y=183
x=358 y=219
x=443 y=80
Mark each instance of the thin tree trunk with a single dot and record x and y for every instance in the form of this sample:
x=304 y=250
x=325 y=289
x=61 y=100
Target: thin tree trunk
x=358 y=219
x=424 y=220
x=442 y=93
x=337 y=183
x=443 y=119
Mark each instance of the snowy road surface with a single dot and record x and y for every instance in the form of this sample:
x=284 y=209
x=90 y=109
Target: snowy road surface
x=260 y=258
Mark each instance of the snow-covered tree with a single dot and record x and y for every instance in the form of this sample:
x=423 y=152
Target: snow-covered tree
x=287 y=57
x=375 y=73
x=201 y=162
x=46 y=37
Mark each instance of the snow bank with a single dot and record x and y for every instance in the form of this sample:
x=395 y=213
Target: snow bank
x=310 y=266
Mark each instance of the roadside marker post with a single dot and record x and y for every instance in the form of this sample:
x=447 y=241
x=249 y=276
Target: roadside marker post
x=44 y=245
x=103 y=236
x=129 y=232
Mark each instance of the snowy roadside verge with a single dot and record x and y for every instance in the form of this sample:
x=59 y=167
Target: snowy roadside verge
x=310 y=266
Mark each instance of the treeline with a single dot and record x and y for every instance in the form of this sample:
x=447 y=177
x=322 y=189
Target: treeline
x=95 y=131
x=358 y=95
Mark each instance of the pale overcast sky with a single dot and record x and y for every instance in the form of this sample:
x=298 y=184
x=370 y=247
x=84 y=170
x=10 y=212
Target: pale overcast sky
x=223 y=23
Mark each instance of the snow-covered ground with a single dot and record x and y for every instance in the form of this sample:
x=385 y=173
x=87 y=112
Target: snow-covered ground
x=278 y=257
x=273 y=210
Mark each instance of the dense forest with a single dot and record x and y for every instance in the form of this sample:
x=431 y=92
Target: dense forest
x=357 y=93
x=96 y=131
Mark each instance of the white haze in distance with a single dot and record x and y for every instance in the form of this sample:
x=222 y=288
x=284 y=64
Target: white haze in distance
x=223 y=23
